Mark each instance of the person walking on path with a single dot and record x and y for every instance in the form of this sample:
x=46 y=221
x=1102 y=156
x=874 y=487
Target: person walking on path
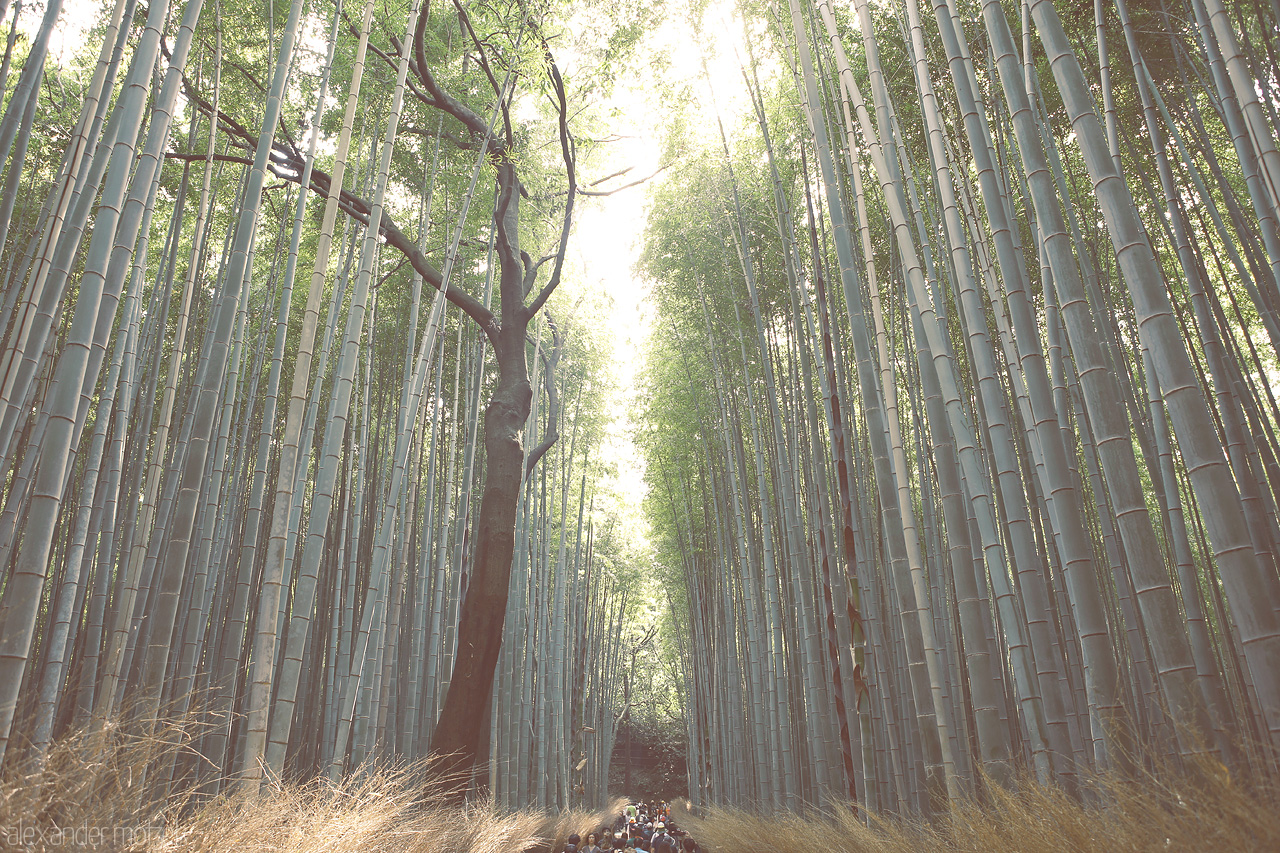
x=661 y=841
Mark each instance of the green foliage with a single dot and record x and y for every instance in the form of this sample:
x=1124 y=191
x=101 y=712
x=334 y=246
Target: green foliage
x=658 y=746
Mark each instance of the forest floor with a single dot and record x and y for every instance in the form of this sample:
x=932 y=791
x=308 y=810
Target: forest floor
x=93 y=797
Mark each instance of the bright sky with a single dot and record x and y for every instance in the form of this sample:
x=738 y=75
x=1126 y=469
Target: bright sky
x=604 y=250
x=608 y=233
x=68 y=36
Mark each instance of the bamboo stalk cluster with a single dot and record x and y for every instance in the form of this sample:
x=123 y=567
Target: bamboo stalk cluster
x=984 y=480
x=228 y=498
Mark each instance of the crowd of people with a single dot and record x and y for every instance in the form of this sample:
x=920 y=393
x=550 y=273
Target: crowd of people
x=640 y=826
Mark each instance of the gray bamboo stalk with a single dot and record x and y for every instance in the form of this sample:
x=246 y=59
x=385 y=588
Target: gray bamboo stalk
x=22 y=595
x=1254 y=593
x=210 y=381
x=1046 y=442
x=54 y=656
x=926 y=677
x=20 y=111
x=1242 y=81
x=288 y=471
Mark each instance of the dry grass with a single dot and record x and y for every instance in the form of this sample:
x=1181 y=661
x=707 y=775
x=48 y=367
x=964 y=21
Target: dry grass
x=1203 y=813
x=94 y=791
x=382 y=811
x=97 y=794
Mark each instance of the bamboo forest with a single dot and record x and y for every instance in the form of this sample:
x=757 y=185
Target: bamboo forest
x=840 y=425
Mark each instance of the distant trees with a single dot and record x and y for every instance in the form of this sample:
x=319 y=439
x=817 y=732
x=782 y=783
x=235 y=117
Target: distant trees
x=655 y=747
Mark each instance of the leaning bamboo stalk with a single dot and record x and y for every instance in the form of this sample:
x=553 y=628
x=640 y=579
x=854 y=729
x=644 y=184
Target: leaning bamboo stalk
x=84 y=141
x=288 y=460
x=1242 y=81
x=1255 y=594
x=22 y=594
x=1046 y=441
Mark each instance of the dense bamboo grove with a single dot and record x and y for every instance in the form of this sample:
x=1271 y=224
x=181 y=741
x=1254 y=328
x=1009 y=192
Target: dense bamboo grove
x=960 y=414
x=962 y=418
x=279 y=345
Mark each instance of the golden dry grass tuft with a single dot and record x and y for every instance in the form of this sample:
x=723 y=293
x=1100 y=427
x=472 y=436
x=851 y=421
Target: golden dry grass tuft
x=1206 y=811
x=94 y=790
x=380 y=812
x=99 y=793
